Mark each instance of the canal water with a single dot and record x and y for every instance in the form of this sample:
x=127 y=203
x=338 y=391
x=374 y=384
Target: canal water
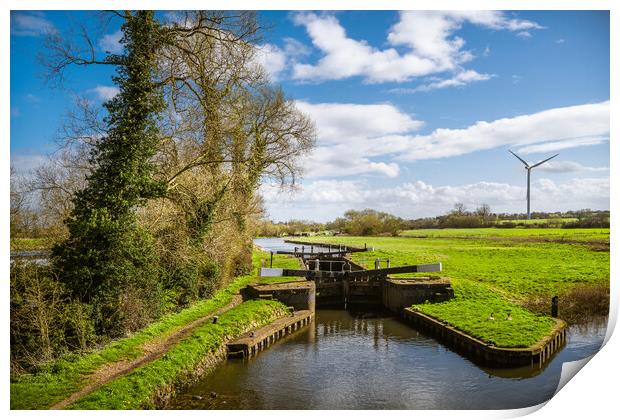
x=348 y=360
x=39 y=257
x=366 y=360
x=278 y=244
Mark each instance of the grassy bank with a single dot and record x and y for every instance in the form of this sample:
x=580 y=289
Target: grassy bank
x=30 y=244
x=185 y=360
x=481 y=313
x=57 y=380
x=497 y=271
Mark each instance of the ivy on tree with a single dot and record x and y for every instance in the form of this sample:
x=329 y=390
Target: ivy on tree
x=107 y=256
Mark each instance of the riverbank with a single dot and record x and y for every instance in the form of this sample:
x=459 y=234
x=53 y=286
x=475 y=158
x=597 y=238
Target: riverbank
x=59 y=380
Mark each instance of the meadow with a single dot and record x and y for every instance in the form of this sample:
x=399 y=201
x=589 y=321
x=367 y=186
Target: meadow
x=497 y=272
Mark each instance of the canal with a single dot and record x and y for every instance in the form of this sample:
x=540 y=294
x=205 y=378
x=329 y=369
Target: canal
x=371 y=360
x=364 y=360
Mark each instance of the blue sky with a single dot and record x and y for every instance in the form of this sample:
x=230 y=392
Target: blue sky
x=415 y=111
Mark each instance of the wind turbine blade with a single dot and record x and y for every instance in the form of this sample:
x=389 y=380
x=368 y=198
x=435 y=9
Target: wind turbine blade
x=543 y=161
x=515 y=155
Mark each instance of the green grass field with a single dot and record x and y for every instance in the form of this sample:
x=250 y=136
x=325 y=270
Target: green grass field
x=496 y=271
x=595 y=235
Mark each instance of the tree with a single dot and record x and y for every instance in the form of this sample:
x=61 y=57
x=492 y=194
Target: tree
x=459 y=209
x=224 y=130
x=106 y=254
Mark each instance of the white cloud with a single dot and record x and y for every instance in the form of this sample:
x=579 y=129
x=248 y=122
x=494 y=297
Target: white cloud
x=112 y=42
x=352 y=136
x=295 y=49
x=574 y=122
x=564 y=166
x=554 y=146
x=428 y=37
x=26 y=162
x=30 y=24
x=358 y=139
x=524 y=35
x=326 y=199
x=105 y=93
x=460 y=79
x=272 y=59
x=338 y=121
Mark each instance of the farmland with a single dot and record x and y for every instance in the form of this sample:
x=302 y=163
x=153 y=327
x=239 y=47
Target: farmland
x=497 y=271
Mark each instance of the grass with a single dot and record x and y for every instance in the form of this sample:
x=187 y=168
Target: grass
x=515 y=268
x=496 y=270
x=137 y=389
x=29 y=244
x=471 y=308
x=59 y=379
x=552 y=235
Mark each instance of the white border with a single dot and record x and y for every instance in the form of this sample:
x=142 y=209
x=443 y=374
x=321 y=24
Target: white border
x=592 y=394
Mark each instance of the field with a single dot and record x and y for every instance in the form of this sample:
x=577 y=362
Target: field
x=497 y=271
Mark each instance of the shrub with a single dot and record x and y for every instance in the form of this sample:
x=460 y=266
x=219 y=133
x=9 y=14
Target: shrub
x=37 y=316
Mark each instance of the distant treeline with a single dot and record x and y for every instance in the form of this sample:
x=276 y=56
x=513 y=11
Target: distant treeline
x=371 y=222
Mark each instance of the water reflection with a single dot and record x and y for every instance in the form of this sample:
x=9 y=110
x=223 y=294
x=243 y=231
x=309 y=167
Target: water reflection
x=348 y=360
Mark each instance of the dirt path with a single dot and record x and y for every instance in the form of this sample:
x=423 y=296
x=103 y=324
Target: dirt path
x=152 y=350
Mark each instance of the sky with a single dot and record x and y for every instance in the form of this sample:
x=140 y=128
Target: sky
x=415 y=111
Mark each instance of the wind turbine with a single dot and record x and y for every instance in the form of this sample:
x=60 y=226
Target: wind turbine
x=529 y=169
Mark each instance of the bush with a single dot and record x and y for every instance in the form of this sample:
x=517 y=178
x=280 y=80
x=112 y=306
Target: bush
x=37 y=316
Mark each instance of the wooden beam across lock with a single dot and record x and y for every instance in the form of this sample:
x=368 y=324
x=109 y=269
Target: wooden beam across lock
x=288 y=272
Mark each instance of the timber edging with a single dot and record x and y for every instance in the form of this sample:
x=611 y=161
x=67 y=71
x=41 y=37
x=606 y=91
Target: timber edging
x=487 y=353
x=255 y=341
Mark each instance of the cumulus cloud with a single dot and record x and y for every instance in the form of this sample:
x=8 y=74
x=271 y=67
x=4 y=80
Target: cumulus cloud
x=371 y=139
x=112 y=42
x=554 y=146
x=105 y=93
x=428 y=38
x=337 y=121
x=272 y=58
x=524 y=35
x=566 y=124
x=565 y=166
x=351 y=137
x=460 y=79
x=326 y=199
x=29 y=23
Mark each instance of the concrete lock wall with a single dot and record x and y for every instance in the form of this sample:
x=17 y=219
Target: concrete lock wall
x=301 y=295
x=486 y=353
x=402 y=293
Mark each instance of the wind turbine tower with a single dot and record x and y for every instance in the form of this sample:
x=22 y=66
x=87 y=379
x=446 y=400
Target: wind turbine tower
x=529 y=169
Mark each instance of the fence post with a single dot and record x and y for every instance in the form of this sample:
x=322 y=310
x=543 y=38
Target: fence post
x=554 y=306
x=271 y=261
